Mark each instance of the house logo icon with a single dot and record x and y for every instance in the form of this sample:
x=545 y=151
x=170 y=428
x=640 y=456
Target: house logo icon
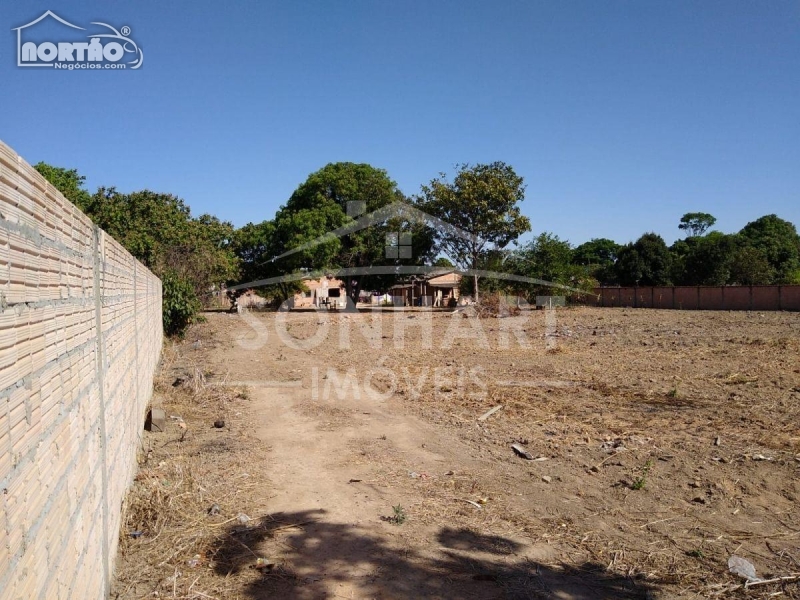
x=106 y=49
x=398 y=247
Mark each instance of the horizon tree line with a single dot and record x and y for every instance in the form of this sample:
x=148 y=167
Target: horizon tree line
x=195 y=255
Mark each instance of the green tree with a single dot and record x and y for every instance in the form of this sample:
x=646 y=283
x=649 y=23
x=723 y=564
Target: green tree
x=191 y=256
x=158 y=229
x=254 y=244
x=645 y=262
x=496 y=261
x=679 y=250
x=203 y=255
x=696 y=223
x=483 y=200
x=749 y=266
x=709 y=259
x=443 y=261
x=777 y=239
x=179 y=302
x=67 y=181
x=597 y=256
x=324 y=202
x=549 y=258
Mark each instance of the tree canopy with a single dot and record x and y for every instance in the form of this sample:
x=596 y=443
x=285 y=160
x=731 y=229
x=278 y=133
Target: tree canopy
x=647 y=261
x=777 y=239
x=598 y=257
x=335 y=196
x=696 y=223
x=480 y=217
x=482 y=200
x=67 y=181
x=190 y=255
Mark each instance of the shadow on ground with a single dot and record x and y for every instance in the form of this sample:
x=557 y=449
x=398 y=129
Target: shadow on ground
x=317 y=555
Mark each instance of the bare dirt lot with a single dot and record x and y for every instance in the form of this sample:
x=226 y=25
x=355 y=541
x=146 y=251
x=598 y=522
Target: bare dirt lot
x=353 y=464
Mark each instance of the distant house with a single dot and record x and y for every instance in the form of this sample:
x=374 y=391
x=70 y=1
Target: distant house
x=250 y=299
x=437 y=291
x=325 y=292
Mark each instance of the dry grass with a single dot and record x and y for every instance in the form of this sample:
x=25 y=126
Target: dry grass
x=169 y=536
x=601 y=408
x=494 y=306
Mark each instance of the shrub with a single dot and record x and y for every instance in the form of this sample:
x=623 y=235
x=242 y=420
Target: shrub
x=179 y=304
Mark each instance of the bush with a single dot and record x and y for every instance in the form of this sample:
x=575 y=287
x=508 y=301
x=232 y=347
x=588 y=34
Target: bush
x=179 y=304
x=496 y=305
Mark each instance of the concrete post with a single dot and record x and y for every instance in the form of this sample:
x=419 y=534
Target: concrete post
x=97 y=240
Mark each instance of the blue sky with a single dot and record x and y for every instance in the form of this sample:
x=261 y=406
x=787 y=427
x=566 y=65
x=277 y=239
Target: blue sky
x=621 y=116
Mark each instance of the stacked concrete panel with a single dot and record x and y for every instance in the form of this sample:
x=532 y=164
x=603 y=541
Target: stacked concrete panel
x=730 y=297
x=80 y=336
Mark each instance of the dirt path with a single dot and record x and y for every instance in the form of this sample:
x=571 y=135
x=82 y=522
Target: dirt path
x=349 y=549
x=664 y=443
x=339 y=464
x=328 y=470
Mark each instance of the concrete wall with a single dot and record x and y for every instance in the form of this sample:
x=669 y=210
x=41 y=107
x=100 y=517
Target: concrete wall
x=745 y=297
x=80 y=336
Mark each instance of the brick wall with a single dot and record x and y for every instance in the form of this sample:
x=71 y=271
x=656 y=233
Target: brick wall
x=80 y=336
x=745 y=297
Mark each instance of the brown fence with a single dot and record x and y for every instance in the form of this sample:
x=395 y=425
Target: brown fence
x=744 y=297
x=80 y=336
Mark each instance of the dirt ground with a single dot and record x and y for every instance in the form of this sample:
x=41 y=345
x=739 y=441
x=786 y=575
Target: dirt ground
x=353 y=463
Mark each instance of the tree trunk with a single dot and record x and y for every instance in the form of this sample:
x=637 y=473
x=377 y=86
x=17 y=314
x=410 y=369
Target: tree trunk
x=475 y=275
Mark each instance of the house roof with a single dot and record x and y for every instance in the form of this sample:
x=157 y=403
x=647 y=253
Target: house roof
x=315 y=283
x=446 y=280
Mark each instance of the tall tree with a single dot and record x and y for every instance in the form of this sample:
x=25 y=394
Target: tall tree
x=749 y=266
x=597 y=256
x=482 y=200
x=443 y=261
x=780 y=244
x=191 y=256
x=709 y=259
x=645 y=262
x=67 y=181
x=336 y=196
x=696 y=223
x=254 y=244
x=549 y=258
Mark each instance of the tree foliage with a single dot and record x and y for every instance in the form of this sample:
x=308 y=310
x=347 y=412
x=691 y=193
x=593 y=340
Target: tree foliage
x=443 y=261
x=647 y=261
x=192 y=256
x=696 y=223
x=550 y=259
x=597 y=256
x=482 y=200
x=179 y=302
x=546 y=257
x=254 y=245
x=67 y=181
x=158 y=229
x=749 y=266
x=708 y=260
x=777 y=239
x=335 y=196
